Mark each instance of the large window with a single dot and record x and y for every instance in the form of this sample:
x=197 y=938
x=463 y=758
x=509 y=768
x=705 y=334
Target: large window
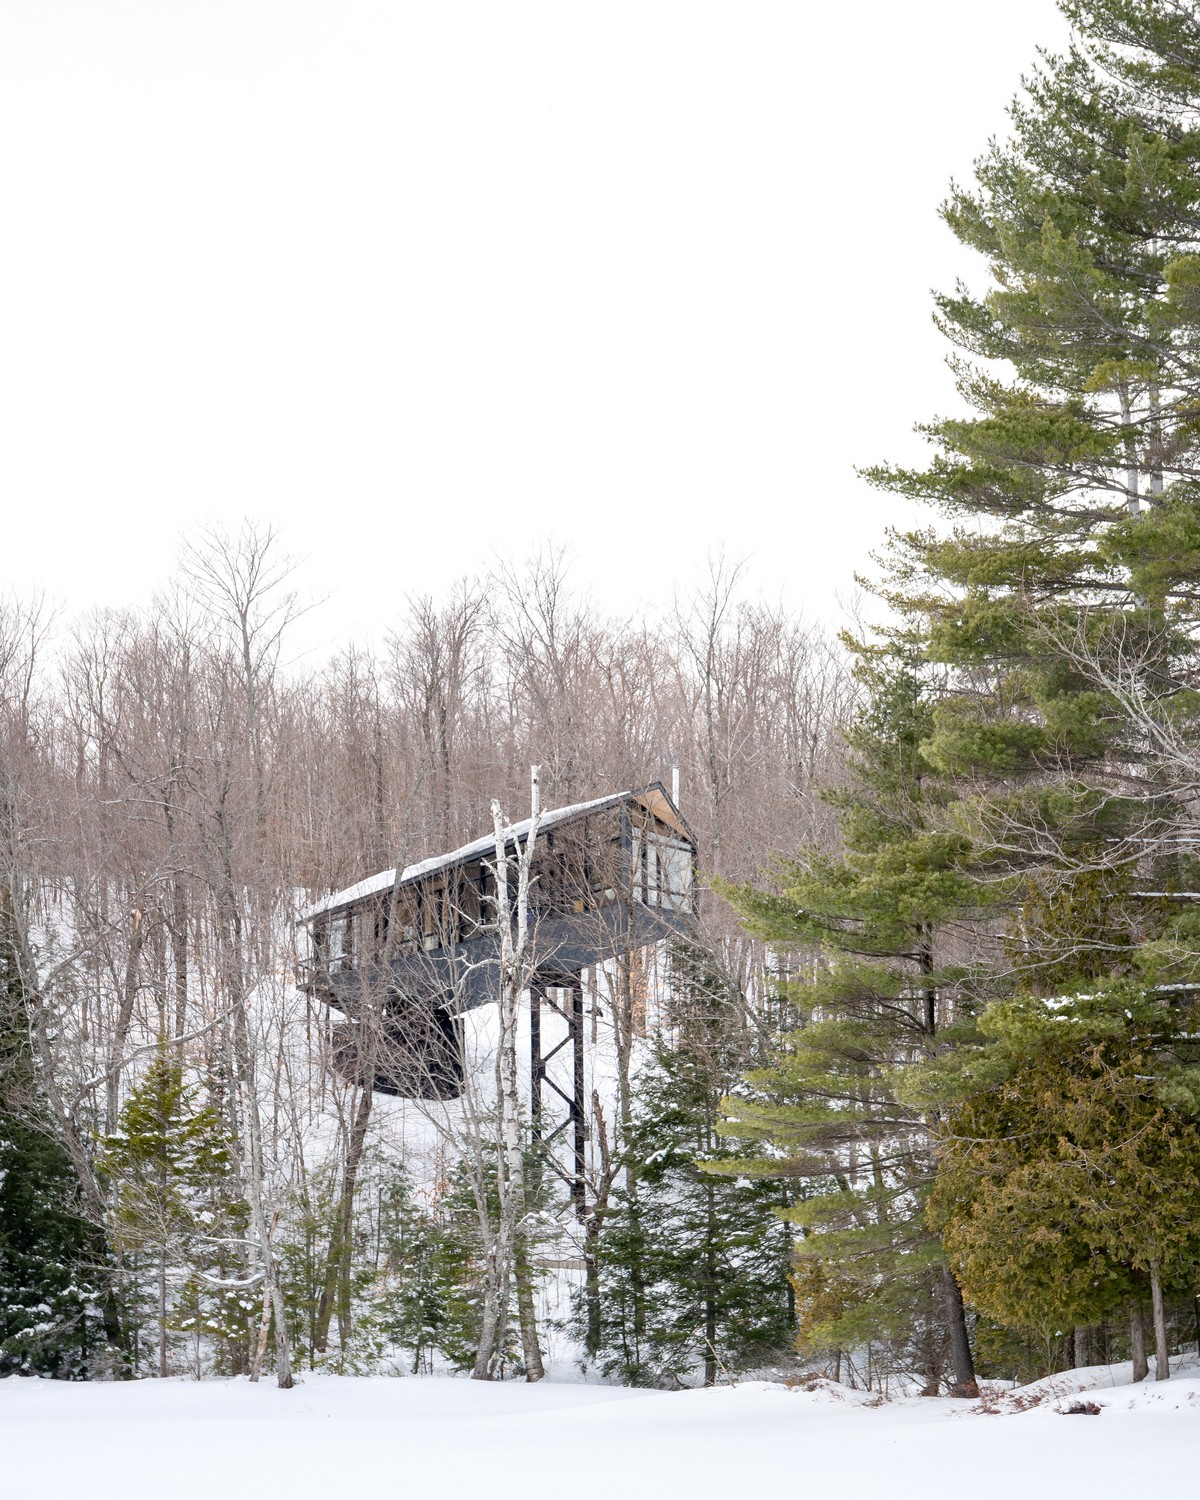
x=662 y=871
x=675 y=876
x=341 y=941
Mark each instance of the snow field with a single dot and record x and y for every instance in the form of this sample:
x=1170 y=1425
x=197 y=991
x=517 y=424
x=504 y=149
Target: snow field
x=452 y=1438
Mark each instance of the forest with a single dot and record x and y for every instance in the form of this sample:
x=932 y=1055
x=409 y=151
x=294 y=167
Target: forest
x=915 y=1103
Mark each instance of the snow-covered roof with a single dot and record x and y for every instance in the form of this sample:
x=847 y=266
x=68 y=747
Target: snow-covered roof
x=386 y=879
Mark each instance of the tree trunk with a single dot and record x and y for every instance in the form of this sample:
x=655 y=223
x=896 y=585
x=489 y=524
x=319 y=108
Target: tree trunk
x=264 y=1323
x=490 y=1322
x=179 y=954
x=1137 y=1342
x=961 y=1363
x=591 y=1287
x=335 y=1292
x=283 y=1342
x=253 y=1154
x=164 y=1368
x=626 y=1029
x=530 y=1349
x=593 y=1226
x=710 y=1343
x=1132 y=473
x=264 y=1328
x=510 y=1167
x=710 y=1289
x=116 y=1051
x=1156 y=446
x=1162 y=1365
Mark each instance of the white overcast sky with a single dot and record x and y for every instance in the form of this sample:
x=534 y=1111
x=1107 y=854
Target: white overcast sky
x=424 y=282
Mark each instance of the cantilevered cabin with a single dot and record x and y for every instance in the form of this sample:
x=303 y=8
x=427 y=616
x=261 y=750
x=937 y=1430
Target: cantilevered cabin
x=422 y=946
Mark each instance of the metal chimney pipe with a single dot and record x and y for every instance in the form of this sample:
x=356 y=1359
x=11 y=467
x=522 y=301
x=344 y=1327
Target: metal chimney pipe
x=675 y=785
x=535 y=791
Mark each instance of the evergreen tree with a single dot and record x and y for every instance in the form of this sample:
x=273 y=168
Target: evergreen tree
x=693 y=1266
x=422 y=1272
x=52 y=1258
x=1069 y=1182
x=301 y=1246
x=417 y=1302
x=885 y=917
x=1066 y=582
x=458 y=1269
x=169 y=1166
x=1061 y=605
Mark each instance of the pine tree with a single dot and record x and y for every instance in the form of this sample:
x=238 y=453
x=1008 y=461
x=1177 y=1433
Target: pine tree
x=1062 y=597
x=1061 y=604
x=52 y=1258
x=692 y=1264
x=889 y=994
x=459 y=1269
x=411 y=1299
x=418 y=1253
x=301 y=1246
x=169 y=1164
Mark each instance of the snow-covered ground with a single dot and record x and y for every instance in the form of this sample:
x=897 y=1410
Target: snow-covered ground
x=449 y=1438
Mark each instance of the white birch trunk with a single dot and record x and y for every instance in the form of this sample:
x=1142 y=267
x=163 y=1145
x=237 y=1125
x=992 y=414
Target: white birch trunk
x=514 y=966
x=255 y=1196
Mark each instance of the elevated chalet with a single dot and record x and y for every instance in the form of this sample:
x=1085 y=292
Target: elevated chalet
x=418 y=948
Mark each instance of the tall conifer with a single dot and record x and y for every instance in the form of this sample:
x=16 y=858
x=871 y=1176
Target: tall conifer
x=52 y=1258
x=693 y=1264
x=1071 y=478
x=1061 y=604
x=167 y=1164
x=891 y=991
